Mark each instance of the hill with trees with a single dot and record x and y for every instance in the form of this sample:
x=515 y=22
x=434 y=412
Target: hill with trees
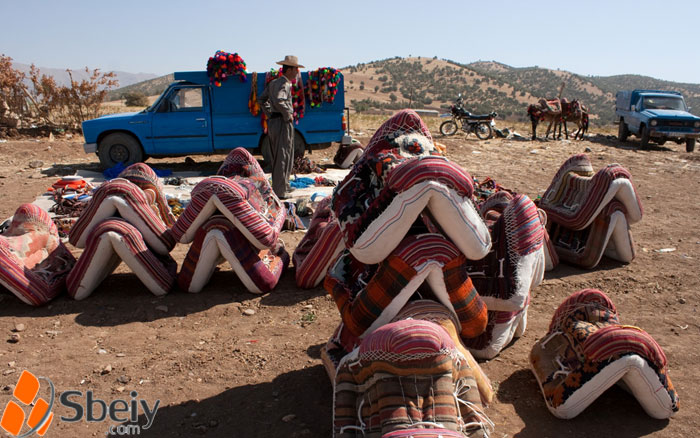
x=486 y=86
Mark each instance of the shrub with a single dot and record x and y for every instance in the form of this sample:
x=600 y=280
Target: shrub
x=135 y=98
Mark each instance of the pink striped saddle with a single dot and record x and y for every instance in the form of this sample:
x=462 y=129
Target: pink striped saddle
x=242 y=194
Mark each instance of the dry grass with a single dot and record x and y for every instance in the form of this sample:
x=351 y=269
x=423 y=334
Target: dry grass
x=363 y=123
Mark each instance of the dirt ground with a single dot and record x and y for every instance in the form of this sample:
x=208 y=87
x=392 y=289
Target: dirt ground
x=219 y=372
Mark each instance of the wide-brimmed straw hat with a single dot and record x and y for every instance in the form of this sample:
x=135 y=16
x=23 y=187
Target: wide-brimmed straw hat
x=291 y=61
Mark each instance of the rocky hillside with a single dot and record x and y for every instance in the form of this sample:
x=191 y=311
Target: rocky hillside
x=151 y=87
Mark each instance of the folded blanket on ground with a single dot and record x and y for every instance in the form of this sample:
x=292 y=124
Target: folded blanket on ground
x=587 y=350
x=406 y=374
x=319 y=247
x=369 y=296
x=577 y=195
x=396 y=179
x=348 y=154
x=111 y=242
x=218 y=240
x=122 y=198
x=34 y=262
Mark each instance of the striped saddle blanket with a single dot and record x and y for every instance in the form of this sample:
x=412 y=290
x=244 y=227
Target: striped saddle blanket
x=369 y=296
x=321 y=244
x=577 y=194
x=218 y=240
x=586 y=350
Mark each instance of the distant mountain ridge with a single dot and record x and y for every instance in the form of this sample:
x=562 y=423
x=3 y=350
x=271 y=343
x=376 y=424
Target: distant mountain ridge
x=61 y=76
x=486 y=86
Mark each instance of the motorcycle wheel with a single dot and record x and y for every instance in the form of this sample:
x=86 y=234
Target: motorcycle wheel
x=483 y=131
x=448 y=127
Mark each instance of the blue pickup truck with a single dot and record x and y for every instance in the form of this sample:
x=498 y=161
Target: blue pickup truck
x=657 y=116
x=193 y=116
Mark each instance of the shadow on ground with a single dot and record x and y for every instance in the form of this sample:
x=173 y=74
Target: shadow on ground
x=123 y=299
x=295 y=404
x=614 y=413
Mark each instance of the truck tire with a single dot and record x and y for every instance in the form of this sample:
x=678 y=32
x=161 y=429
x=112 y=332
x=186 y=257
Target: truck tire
x=622 y=131
x=689 y=144
x=119 y=148
x=644 y=137
x=299 y=149
x=299 y=145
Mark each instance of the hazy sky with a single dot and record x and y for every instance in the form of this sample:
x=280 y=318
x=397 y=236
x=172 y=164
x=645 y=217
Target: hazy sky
x=658 y=39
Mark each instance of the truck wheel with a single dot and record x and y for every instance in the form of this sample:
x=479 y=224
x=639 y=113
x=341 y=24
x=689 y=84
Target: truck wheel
x=299 y=145
x=265 y=152
x=299 y=149
x=119 y=148
x=645 y=137
x=622 y=131
x=689 y=144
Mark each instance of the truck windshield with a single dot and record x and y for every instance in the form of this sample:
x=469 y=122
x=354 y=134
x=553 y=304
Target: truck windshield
x=664 y=102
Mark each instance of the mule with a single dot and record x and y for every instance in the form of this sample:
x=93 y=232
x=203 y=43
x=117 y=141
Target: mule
x=545 y=110
x=576 y=112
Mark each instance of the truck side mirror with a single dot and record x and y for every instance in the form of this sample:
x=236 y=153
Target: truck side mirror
x=633 y=108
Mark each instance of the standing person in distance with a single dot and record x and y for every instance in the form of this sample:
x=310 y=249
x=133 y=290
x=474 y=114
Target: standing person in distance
x=276 y=102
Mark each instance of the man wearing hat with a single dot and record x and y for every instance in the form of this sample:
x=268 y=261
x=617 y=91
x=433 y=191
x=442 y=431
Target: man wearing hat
x=276 y=102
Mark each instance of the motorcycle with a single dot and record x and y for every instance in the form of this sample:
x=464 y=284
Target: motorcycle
x=479 y=124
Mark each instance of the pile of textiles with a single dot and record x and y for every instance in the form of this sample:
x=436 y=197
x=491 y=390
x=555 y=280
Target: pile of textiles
x=587 y=350
x=71 y=195
x=34 y=263
x=589 y=213
x=402 y=226
x=305 y=165
x=233 y=216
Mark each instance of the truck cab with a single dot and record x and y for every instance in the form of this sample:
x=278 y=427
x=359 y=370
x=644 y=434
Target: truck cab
x=658 y=116
x=193 y=116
